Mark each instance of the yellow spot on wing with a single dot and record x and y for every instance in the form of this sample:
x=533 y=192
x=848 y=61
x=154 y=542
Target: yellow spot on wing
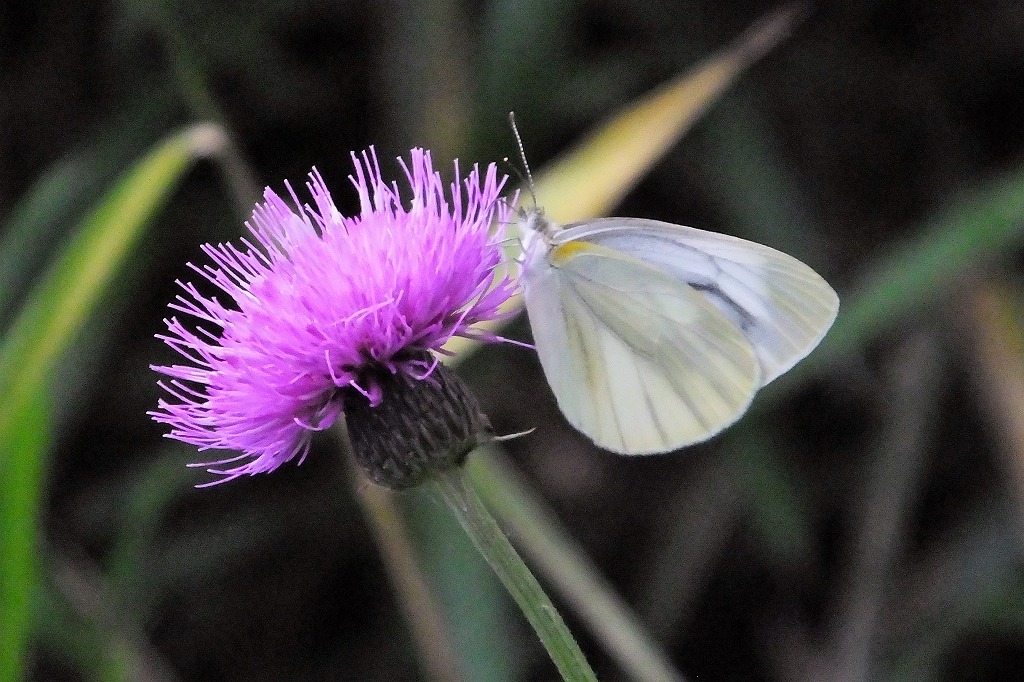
x=564 y=252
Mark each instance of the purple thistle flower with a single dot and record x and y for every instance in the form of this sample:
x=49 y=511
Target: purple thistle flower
x=322 y=305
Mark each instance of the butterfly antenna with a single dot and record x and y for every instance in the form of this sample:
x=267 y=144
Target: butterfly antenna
x=515 y=169
x=522 y=155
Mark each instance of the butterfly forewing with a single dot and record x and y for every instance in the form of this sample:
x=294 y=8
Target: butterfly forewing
x=781 y=305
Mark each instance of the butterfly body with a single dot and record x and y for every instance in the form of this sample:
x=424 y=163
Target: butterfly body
x=654 y=336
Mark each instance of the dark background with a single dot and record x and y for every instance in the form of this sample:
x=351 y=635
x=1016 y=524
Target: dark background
x=873 y=117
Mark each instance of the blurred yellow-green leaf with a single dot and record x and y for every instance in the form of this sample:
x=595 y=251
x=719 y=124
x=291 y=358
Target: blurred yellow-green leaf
x=594 y=175
x=589 y=179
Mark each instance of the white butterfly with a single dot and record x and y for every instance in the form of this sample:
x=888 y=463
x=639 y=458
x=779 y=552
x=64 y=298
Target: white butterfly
x=654 y=336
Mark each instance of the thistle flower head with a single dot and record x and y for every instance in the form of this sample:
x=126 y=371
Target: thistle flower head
x=323 y=307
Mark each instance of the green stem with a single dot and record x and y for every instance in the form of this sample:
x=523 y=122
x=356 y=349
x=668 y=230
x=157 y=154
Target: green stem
x=453 y=487
x=564 y=564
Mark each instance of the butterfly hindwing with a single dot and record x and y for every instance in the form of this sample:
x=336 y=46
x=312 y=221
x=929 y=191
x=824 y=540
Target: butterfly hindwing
x=638 y=360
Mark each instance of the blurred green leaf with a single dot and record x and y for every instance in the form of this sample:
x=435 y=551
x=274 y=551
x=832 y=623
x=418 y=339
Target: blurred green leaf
x=20 y=490
x=56 y=309
x=981 y=224
x=468 y=589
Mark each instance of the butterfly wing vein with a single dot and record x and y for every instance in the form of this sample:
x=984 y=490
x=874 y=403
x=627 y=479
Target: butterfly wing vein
x=637 y=360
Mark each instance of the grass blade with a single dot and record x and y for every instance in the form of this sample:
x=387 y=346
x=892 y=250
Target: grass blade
x=55 y=310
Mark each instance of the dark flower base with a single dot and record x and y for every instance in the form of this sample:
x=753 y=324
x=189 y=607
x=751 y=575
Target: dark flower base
x=421 y=425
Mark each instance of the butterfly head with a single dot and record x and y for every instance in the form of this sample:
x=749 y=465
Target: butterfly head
x=532 y=221
x=534 y=226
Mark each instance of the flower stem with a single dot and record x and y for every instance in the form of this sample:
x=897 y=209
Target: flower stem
x=427 y=624
x=453 y=487
x=563 y=564
x=426 y=620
